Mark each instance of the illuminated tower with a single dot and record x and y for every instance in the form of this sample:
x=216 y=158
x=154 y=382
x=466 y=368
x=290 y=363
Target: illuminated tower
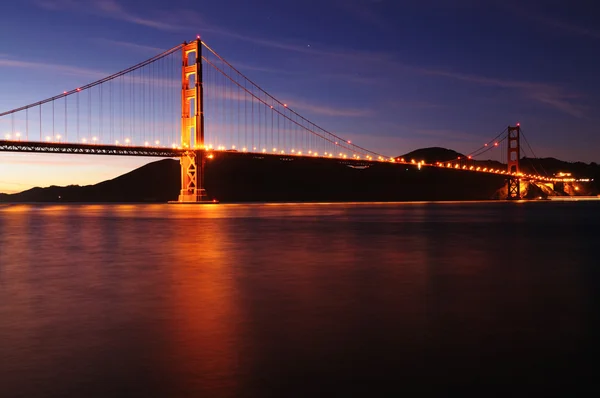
x=192 y=125
x=514 y=153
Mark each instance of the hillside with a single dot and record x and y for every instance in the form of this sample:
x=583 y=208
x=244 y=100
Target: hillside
x=432 y=155
x=154 y=182
x=544 y=166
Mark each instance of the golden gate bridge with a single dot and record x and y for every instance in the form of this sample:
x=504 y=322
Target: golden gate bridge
x=189 y=102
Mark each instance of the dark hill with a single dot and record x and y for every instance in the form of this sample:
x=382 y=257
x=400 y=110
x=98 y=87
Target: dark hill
x=154 y=182
x=543 y=166
x=553 y=166
x=432 y=155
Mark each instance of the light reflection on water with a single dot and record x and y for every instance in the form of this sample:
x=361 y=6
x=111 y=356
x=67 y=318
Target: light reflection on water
x=295 y=299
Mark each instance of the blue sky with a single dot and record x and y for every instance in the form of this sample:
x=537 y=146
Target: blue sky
x=392 y=76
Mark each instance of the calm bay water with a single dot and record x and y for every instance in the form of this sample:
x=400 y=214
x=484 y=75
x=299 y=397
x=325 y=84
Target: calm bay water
x=298 y=300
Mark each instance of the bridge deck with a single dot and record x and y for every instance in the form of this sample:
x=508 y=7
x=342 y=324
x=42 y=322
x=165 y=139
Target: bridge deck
x=87 y=149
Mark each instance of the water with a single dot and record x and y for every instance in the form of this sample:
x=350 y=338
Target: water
x=297 y=300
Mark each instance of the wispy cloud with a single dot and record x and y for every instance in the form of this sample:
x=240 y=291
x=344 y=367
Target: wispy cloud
x=568 y=27
x=329 y=110
x=117 y=11
x=552 y=95
x=449 y=134
x=367 y=11
x=540 y=15
x=130 y=46
x=413 y=104
x=296 y=104
x=86 y=73
x=57 y=68
x=356 y=78
x=244 y=67
x=114 y=10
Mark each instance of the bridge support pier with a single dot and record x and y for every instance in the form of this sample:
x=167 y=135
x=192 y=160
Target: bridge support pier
x=192 y=126
x=192 y=178
x=514 y=153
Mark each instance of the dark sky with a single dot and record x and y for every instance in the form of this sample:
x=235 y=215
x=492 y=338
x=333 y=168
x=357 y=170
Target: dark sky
x=392 y=76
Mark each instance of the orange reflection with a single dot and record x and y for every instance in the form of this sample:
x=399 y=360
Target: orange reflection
x=206 y=318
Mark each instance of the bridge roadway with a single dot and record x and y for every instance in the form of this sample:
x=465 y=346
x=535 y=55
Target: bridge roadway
x=87 y=149
x=148 y=151
x=166 y=152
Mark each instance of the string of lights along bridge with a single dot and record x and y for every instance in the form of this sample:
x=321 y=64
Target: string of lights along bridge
x=189 y=102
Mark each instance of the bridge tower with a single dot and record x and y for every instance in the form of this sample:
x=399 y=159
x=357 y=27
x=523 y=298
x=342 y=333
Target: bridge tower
x=514 y=153
x=192 y=125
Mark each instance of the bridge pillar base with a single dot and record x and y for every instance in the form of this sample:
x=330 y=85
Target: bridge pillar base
x=514 y=189
x=188 y=196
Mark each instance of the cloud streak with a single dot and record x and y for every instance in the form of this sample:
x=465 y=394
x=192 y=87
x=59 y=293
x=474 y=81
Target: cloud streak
x=568 y=27
x=328 y=110
x=539 y=15
x=110 y=9
x=220 y=92
x=131 y=46
x=551 y=95
x=62 y=69
x=366 y=11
